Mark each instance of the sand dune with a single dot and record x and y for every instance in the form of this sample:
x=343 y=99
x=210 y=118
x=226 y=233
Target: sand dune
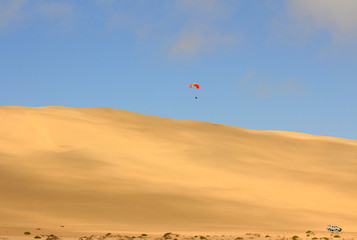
x=104 y=168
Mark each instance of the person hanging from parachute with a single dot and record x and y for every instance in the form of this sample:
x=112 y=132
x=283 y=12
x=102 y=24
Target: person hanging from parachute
x=195 y=85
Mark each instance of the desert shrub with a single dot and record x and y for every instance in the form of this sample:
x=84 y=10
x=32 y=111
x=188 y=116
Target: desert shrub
x=52 y=237
x=167 y=235
x=295 y=237
x=202 y=238
x=27 y=233
x=108 y=234
x=144 y=235
x=239 y=238
x=336 y=236
x=267 y=236
x=325 y=238
x=314 y=238
x=37 y=236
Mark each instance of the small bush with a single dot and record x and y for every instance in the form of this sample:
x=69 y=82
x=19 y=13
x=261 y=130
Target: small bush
x=295 y=237
x=239 y=238
x=314 y=238
x=52 y=237
x=167 y=234
x=37 y=236
x=27 y=233
x=144 y=235
x=326 y=238
x=267 y=236
x=202 y=238
x=336 y=236
x=108 y=234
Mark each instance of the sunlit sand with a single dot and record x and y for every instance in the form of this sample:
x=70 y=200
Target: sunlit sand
x=99 y=170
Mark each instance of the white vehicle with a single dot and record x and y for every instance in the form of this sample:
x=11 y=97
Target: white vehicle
x=334 y=228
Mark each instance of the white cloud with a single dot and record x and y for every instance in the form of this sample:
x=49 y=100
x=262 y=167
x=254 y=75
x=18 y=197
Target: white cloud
x=194 y=41
x=130 y=16
x=180 y=28
x=338 y=17
x=60 y=11
x=264 y=85
x=205 y=9
x=11 y=11
x=291 y=85
x=17 y=11
x=201 y=32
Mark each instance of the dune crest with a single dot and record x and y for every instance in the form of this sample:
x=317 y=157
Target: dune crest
x=106 y=167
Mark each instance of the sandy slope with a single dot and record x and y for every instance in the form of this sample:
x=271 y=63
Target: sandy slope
x=109 y=169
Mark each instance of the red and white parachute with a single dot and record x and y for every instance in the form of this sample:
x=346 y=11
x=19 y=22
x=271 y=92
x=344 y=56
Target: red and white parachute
x=195 y=85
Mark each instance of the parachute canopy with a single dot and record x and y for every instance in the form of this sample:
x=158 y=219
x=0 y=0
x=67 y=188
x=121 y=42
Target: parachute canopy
x=195 y=84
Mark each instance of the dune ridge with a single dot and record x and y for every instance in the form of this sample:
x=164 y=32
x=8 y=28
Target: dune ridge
x=108 y=168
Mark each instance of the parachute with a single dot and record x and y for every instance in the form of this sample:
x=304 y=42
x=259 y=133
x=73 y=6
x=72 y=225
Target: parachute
x=196 y=85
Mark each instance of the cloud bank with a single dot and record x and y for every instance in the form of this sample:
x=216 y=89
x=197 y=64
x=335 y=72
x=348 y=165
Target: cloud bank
x=337 y=17
x=23 y=11
x=264 y=85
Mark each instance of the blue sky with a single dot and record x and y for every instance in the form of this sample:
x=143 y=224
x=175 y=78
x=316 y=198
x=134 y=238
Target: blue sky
x=261 y=64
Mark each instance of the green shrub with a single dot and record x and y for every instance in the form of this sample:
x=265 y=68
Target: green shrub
x=336 y=236
x=267 y=236
x=37 y=236
x=52 y=237
x=108 y=234
x=326 y=238
x=144 y=235
x=27 y=233
x=167 y=235
x=295 y=237
x=202 y=238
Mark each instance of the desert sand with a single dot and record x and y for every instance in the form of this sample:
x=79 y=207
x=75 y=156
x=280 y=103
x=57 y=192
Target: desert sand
x=100 y=170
